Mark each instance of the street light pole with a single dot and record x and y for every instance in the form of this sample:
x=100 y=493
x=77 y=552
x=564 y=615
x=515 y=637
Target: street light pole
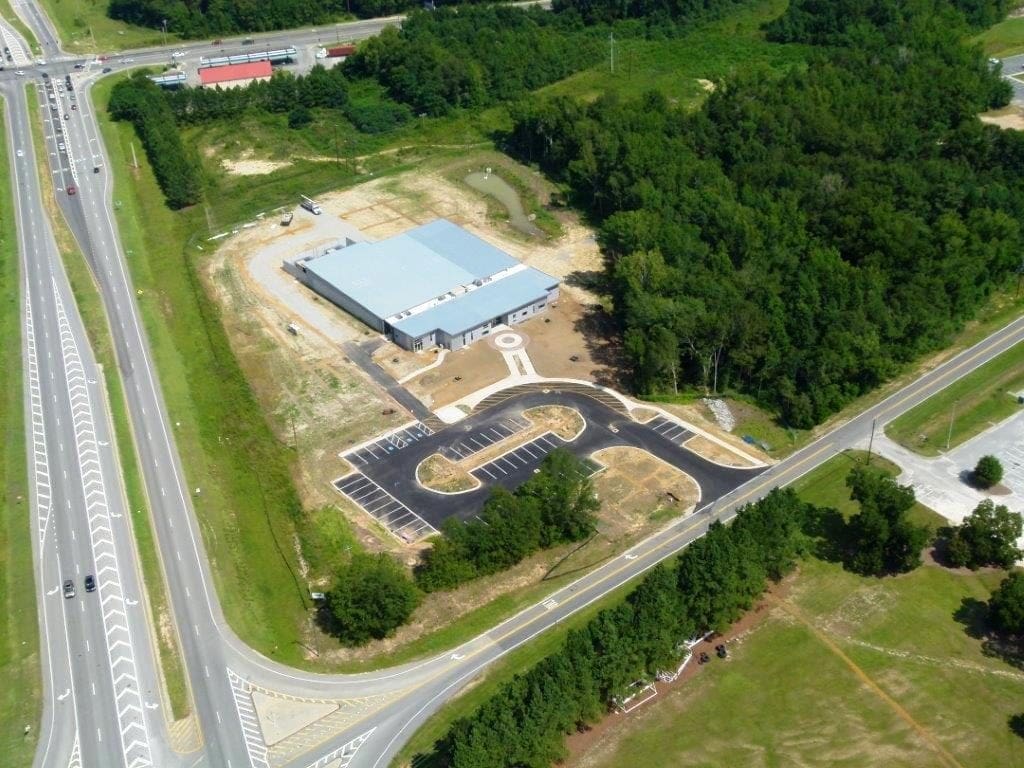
x=164 y=26
x=952 y=416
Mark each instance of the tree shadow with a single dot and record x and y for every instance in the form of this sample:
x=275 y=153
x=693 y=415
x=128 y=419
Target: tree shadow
x=973 y=615
x=603 y=341
x=1016 y=723
x=829 y=534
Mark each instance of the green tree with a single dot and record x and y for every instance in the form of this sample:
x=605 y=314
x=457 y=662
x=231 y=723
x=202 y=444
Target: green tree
x=881 y=539
x=988 y=536
x=1006 y=607
x=300 y=117
x=371 y=597
x=988 y=471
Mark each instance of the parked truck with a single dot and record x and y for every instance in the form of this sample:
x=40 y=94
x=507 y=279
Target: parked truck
x=311 y=205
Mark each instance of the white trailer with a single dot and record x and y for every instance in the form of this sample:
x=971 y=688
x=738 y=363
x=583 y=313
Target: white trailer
x=311 y=205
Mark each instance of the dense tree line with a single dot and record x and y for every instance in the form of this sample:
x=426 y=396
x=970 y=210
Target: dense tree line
x=555 y=506
x=473 y=56
x=803 y=235
x=282 y=93
x=139 y=101
x=713 y=582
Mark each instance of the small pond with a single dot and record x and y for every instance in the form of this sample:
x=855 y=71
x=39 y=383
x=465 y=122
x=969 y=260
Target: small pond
x=505 y=194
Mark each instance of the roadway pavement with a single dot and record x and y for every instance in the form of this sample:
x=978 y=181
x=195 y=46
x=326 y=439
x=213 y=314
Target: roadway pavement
x=221 y=670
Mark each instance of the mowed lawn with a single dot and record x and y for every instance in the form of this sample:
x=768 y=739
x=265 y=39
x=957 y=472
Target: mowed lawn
x=979 y=400
x=843 y=671
x=21 y=694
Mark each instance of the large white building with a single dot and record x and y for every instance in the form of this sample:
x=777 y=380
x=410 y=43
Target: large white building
x=435 y=285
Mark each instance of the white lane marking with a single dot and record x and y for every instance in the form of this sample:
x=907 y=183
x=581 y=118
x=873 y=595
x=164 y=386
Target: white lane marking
x=134 y=734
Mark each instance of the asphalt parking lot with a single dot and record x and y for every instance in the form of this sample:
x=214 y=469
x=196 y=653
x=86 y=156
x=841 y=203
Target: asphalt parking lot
x=670 y=430
x=388 y=444
x=383 y=507
x=517 y=465
x=477 y=440
x=385 y=486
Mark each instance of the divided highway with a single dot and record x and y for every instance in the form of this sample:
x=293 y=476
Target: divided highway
x=103 y=705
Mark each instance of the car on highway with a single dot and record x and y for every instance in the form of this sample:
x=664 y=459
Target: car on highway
x=79 y=65
x=69 y=588
x=67 y=116
x=61 y=147
x=106 y=70
x=71 y=189
x=20 y=153
x=178 y=55
x=95 y=169
x=90 y=583
x=20 y=73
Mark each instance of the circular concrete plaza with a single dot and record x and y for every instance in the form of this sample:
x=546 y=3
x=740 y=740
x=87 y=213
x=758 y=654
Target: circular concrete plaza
x=508 y=341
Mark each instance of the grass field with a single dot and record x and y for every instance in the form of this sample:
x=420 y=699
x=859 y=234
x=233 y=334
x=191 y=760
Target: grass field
x=1004 y=39
x=673 y=66
x=15 y=21
x=979 y=400
x=90 y=307
x=843 y=671
x=21 y=694
x=83 y=27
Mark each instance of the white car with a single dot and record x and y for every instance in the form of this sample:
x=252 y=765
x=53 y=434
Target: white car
x=20 y=73
x=20 y=153
x=177 y=54
x=61 y=147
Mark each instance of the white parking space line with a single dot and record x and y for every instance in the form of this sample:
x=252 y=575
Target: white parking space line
x=383 y=507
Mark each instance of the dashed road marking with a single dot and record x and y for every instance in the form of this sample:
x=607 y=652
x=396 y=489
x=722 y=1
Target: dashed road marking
x=670 y=430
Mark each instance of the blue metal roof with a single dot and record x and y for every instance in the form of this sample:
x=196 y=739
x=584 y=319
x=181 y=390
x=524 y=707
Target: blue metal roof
x=397 y=274
x=475 y=307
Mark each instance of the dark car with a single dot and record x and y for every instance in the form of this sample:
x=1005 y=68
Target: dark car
x=69 y=588
x=95 y=169
x=90 y=583
x=106 y=70
x=71 y=189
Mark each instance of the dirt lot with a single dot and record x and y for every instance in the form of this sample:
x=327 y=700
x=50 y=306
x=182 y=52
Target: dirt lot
x=463 y=372
x=440 y=474
x=565 y=422
x=637 y=488
x=716 y=453
x=569 y=329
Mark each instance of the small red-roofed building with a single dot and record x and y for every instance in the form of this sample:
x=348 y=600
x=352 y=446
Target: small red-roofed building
x=235 y=75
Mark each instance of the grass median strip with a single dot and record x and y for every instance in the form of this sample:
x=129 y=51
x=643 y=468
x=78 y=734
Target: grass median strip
x=90 y=307
x=21 y=697
x=965 y=408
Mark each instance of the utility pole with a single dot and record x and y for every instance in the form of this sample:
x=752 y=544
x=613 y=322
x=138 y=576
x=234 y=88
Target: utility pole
x=164 y=25
x=611 y=46
x=871 y=440
x=952 y=416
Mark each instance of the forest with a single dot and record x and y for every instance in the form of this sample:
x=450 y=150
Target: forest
x=802 y=236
